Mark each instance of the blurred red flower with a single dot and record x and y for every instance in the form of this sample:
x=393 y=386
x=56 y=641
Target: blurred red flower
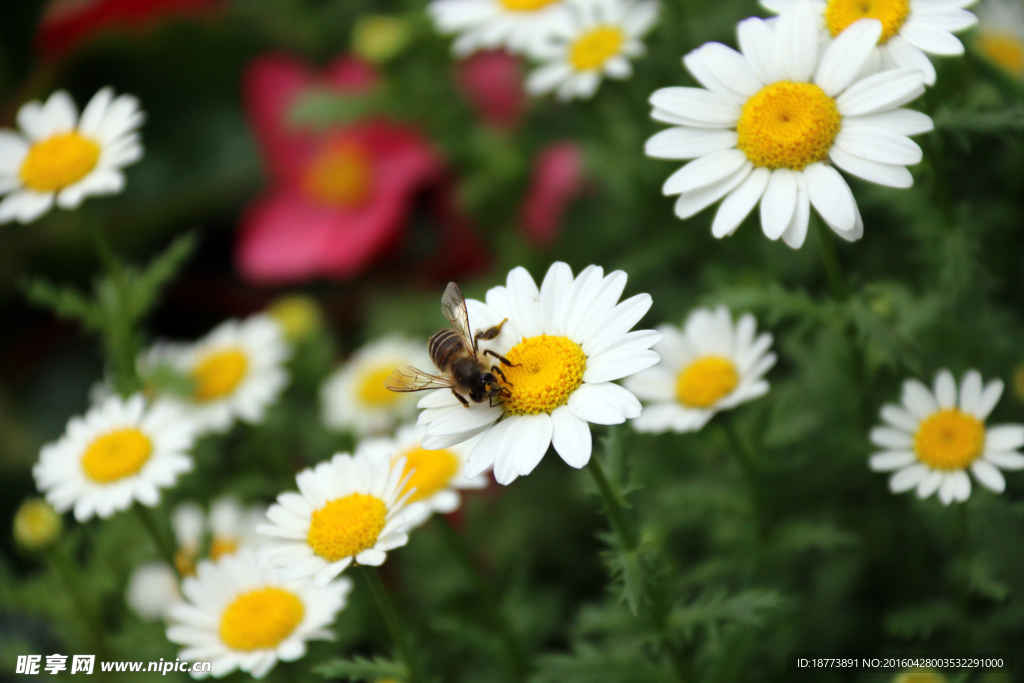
x=492 y=82
x=66 y=23
x=556 y=179
x=340 y=197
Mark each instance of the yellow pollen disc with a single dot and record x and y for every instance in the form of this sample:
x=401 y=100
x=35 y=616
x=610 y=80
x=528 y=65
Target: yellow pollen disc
x=788 y=125
x=372 y=391
x=260 y=619
x=706 y=381
x=58 y=161
x=346 y=526
x=594 y=47
x=892 y=13
x=222 y=546
x=219 y=373
x=116 y=455
x=431 y=471
x=525 y=5
x=548 y=370
x=341 y=176
x=949 y=440
x=1005 y=50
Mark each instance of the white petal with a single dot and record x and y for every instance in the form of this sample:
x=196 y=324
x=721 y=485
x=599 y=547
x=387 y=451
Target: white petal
x=988 y=475
x=970 y=392
x=930 y=484
x=796 y=41
x=888 y=175
x=779 y=203
x=732 y=69
x=689 y=143
x=908 y=478
x=831 y=196
x=1004 y=438
x=887 y=437
x=918 y=399
x=1005 y=460
x=758 y=46
x=879 y=144
x=906 y=56
x=945 y=389
x=796 y=231
x=846 y=55
x=900 y=418
x=931 y=39
x=697 y=104
x=572 y=439
x=593 y=403
x=531 y=436
x=904 y=121
x=989 y=398
x=891 y=460
x=691 y=203
x=880 y=92
x=704 y=171
x=740 y=203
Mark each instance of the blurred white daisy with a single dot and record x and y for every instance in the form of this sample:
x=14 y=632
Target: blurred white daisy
x=708 y=366
x=228 y=527
x=354 y=398
x=237 y=370
x=772 y=120
x=596 y=38
x=435 y=477
x=120 y=451
x=1001 y=34
x=518 y=25
x=910 y=28
x=933 y=439
x=568 y=342
x=238 y=616
x=152 y=591
x=61 y=158
x=347 y=509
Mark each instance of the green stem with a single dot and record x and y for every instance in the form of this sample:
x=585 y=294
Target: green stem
x=616 y=513
x=750 y=473
x=514 y=652
x=163 y=546
x=393 y=621
x=830 y=260
x=118 y=334
x=64 y=565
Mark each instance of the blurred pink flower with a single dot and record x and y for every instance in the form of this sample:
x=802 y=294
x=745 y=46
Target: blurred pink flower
x=339 y=198
x=556 y=179
x=492 y=81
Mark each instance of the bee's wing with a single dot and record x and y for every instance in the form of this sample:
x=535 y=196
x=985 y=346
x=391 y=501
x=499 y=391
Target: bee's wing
x=453 y=305
x=408 y=378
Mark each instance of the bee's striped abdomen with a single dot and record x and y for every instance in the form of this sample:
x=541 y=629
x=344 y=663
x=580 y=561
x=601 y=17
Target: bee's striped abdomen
x=444 y=348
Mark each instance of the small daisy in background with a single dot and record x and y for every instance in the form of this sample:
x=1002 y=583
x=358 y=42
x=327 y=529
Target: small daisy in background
x=518 y=25
x=594 y=39
x=152 y=591
x=911 y=29
x=238 y=616
x=771 y=121
x=708 y=366
x=353 y=398
x=348 y=509
x=934 y=438
x=61 y=158
x=434 y=477
x=237 y=371
x=567 y=341
x=119 y=452
x=1000 y=35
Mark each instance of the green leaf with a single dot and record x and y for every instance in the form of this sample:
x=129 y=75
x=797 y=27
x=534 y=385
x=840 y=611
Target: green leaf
x=362 y=669
x=149 y=283
x=64 y=301
x=589 y=664
x=748 y=608
x=922 y=620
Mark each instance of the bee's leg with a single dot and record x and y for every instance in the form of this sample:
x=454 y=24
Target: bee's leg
x=496 y=369
x=461 y=398
x=503 y=394
x=506 y=361
x=490 y=333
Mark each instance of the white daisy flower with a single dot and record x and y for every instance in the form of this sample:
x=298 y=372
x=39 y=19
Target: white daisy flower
x=1001 y=34
x=228 y=527
x=708 y=366
x=771 y=118
x=238 y=371
x=354 y=398
x=434 y=477
x=121 y=451
x=933 y=439
x=152 y=591
x=568 y=342
x=518 y=25
x=347 y=509
x=910 y=28
x=239 y=616
x=61 y=158
x=597 y=38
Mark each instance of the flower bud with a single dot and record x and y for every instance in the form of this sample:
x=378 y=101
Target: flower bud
x=297 y=314
x=36 y=524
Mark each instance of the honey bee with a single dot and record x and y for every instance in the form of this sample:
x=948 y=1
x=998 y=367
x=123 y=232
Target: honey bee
x=464 y=368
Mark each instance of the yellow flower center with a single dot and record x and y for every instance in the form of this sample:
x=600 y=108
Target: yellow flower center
x=788 y=125
x=546 y=370
x=116 y=455
x=219 y=373
x=341 y=176
x=1004 y=49
x=706 y=381
x=526 y=5
x=431 y=471
x=892 y=13
x=372 y=391
x=58 y=161
x=949 y=440
x=594 y=47
x=260 y=619
x=346 y=526
x=221 y=546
